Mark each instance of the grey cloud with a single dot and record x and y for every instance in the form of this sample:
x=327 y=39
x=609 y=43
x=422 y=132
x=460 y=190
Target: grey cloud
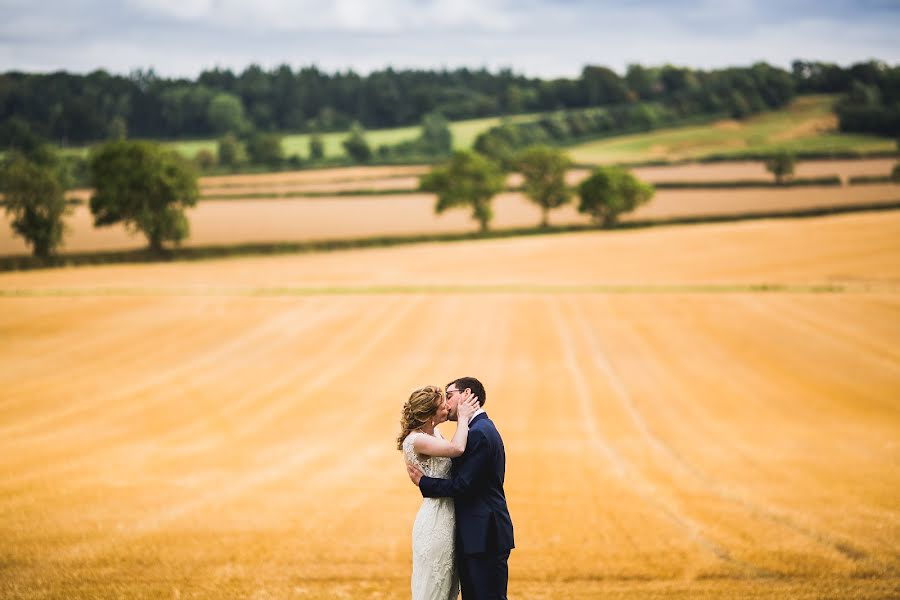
x=535 y=37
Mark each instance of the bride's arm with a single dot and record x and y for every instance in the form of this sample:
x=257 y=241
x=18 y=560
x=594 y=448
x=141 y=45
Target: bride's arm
x=433 y=446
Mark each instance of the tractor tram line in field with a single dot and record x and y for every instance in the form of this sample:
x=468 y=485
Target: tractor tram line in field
x=670 y=456
x=631 y=475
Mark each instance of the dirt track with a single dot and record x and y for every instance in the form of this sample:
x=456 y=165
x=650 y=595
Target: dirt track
x=224 y=429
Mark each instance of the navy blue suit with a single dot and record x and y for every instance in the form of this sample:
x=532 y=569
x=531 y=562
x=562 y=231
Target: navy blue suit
x=484 y=530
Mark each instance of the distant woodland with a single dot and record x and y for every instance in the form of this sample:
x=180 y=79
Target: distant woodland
x=72 y=109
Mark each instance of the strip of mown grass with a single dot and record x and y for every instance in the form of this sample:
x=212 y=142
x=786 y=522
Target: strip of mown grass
x=21 y=262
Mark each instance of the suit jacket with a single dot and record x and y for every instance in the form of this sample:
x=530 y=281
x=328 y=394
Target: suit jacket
x=483 y=523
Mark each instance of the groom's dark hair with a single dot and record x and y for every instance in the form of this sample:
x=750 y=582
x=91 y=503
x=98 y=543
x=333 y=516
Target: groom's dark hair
x=473 y=384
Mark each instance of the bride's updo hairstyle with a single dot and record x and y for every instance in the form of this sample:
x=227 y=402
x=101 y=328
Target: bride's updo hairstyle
x=418 y=410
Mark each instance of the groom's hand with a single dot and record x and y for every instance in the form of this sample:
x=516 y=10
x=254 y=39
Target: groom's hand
x=414 y=474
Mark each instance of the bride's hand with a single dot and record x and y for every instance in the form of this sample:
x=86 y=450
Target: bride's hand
x=467 y=407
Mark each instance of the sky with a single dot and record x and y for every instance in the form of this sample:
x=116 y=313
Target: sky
x=538 y=38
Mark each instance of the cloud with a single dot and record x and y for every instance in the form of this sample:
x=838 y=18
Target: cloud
x=382 y=16
x=535 y=37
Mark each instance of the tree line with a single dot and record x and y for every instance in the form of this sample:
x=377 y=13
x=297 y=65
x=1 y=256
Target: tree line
x=72 y=109
x=147 y=188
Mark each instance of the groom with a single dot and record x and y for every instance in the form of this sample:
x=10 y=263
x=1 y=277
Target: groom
x=484 y=531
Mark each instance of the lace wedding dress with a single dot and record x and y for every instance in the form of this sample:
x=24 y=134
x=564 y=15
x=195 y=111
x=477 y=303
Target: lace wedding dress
x=434 y=575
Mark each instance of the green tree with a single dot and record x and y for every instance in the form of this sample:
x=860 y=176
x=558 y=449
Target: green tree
x=265 y=149
x=144 y=186
x=16 y=134
x=610 y=192
x=226 y=114
x=895 y=173
x=544 y=169
x=500 y=144
x=316 y=147
x=231 y=152
x=356 y=145
x=435 y=138
x=469 y=180
x=35 y=201
x=781 y=165
x=118 y=128
x=204 y=159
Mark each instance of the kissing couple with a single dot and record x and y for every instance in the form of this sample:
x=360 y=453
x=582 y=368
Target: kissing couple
x=463 y=534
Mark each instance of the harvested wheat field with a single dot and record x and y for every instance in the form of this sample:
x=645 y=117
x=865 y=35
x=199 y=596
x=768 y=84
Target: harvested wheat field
x=689 y=412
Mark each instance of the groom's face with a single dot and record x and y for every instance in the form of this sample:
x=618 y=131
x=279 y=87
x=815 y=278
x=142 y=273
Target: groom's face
x=453 y=396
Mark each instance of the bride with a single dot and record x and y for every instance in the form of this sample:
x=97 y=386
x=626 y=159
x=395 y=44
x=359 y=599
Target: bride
x=434 y=575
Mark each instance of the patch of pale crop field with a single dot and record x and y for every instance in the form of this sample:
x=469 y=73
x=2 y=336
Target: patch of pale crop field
x=407 y=177
x=755 y=170
x=338 y=174
x=704 y=411
x=270 y=220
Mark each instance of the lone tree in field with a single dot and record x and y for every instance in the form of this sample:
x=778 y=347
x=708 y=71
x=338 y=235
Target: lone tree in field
x=35 y=201
x=316 y=147
x=265 y=149
x=435 y=139
x=610 y=192
x=145 y=187
x=356 y=145
x=231 y=152
x=469 y=180
x=544 y=169
x=781 y=165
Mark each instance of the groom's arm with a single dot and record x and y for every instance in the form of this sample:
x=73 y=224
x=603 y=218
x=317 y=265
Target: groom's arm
x=475 y=460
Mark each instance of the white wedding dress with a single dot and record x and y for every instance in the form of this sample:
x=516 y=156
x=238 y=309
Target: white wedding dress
x=434 y=575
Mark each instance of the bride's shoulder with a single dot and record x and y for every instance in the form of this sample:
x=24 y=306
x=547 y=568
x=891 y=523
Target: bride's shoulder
x=409 y=439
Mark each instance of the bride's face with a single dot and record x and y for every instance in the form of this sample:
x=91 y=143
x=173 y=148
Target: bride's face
x=443 y=410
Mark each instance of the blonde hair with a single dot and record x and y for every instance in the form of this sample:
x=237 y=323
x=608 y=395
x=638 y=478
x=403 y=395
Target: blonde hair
x=422 y=405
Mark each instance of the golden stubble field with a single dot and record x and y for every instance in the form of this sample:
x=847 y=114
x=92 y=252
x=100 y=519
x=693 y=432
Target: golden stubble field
x=689 y=412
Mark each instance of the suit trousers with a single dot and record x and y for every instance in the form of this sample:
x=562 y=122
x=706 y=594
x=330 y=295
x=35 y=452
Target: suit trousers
x=484 y=576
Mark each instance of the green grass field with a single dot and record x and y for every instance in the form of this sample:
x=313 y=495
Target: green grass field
x=808 y=125
x=464 y=134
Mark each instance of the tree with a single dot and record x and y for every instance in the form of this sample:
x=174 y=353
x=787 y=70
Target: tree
x=610 y=192
x=231 y=152
x=35 y=201
x=204 y=159
x=144 y=186
x=265 y=149
x=316 y=147
x=468 y=180
x=118 y=128
x=16 y=134
x=226 y=114
x=602 y=86
x=435 y=138
x=544 y=169
x=781 y=165
x=895 y=173
x=356 y=145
